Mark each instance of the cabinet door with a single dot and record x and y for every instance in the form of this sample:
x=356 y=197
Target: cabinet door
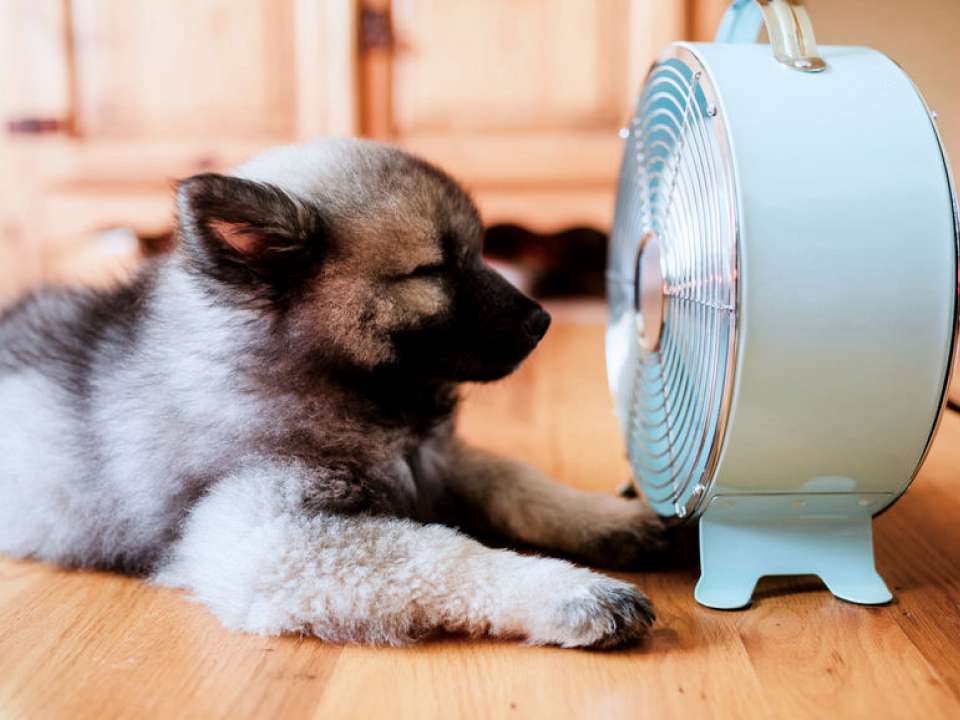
x=109 y=102
x=184 y=70
x=504 y=66
x=523 y=100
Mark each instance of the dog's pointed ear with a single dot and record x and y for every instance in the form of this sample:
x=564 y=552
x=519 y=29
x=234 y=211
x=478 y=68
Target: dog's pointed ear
x=237 y=221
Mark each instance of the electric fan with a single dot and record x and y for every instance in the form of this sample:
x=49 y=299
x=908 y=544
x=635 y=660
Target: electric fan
x=782 y=286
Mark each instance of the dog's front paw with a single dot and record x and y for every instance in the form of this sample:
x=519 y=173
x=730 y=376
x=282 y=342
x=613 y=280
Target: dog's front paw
x=599 y=612
x=627 y=535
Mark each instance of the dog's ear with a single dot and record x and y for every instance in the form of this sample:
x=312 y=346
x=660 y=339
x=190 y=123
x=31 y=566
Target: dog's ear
x=230 y=222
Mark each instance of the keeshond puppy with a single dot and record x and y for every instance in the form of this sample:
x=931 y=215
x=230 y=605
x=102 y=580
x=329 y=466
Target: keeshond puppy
x=265 y=417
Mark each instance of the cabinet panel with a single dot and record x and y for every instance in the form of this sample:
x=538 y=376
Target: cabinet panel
x=184 y=70
x=506 y=65
x=34 y=66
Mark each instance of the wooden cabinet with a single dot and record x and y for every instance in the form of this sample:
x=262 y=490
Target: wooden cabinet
x=107 y=102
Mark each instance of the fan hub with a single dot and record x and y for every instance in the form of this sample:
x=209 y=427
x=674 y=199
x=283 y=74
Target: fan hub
x=649 y=290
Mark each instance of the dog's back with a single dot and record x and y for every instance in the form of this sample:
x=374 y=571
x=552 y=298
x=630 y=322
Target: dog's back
x=100 y=453
x=50 y=343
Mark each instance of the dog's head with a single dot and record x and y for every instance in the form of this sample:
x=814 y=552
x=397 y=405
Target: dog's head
x=363 y=254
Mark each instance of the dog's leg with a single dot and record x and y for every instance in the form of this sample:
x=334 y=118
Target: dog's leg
x=522 y=503
x=262 y=564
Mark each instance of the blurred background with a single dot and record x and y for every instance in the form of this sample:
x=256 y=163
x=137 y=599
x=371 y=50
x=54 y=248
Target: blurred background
x=105 y=102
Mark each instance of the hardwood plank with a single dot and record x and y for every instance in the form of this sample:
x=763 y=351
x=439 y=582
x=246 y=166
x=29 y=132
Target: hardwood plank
x=824 y=656
x=117 y=643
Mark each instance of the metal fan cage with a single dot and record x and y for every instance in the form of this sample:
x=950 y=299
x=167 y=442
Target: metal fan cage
x=677 y=186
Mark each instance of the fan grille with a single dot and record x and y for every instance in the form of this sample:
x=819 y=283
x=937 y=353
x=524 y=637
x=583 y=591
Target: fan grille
x=676 y=185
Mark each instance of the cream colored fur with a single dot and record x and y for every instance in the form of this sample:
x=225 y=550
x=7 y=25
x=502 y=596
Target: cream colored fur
x=262 y=565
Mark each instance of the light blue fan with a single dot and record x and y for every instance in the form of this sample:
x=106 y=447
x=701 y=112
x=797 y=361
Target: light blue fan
x=783 y=298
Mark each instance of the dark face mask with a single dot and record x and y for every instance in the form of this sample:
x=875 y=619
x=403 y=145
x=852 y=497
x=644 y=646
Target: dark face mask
x=490 y=328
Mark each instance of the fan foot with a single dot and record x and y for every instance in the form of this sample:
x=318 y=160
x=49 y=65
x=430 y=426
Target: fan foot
x=745 y=537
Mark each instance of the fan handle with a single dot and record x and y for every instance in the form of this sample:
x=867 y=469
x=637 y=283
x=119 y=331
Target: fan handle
x=788 y=25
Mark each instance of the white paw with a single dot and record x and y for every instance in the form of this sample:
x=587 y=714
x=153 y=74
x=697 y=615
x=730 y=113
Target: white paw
x=596 y=612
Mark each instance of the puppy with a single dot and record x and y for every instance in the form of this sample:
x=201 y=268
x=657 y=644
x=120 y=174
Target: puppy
x=266 y=418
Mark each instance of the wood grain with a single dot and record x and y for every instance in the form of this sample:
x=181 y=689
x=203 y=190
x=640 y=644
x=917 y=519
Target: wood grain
x=188 y=71
x=502 y=66
x=91 y=645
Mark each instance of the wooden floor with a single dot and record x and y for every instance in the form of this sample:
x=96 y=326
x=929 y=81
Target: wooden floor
x=85 y=645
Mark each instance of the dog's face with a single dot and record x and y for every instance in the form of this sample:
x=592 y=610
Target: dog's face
x=362 y=254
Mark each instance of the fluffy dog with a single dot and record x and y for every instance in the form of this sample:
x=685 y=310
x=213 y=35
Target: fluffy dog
x=265 y=418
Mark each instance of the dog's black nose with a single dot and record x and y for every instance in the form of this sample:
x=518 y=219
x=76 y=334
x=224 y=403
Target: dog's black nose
x=536 y=325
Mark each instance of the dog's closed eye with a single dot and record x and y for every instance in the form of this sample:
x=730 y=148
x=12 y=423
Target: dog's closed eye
x=425 y=271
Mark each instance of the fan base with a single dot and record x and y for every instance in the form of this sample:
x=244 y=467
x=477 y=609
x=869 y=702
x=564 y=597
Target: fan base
x=745 y=537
